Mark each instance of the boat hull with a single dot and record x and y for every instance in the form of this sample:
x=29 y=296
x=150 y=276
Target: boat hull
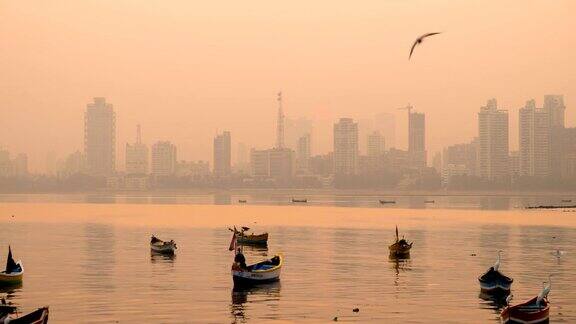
x=8 y=279
x=260 y=239
x=527 y=313
x=165 y=248
x=39 y=316
x=495 y=283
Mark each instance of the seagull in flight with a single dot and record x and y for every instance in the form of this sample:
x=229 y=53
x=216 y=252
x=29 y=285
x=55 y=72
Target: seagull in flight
x=419 y=40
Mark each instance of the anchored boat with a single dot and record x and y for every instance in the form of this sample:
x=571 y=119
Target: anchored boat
x=249 y=239
x=159 y=246
x=400 y=248
x=259 y=273
x=14 y=271
x=39 y=316
x=536 y=310
x=384 y=202
x=493 y=282
x=304 y=200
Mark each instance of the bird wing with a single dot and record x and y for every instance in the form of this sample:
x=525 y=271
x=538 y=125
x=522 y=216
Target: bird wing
x=429 y=34
x=412 y=49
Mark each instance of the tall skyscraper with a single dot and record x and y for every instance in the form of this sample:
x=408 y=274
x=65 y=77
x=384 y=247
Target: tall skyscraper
x=345 y=146
x=493 y=142
x=417 y=139
x=554 y=105
x=163 y=159
x=137 y=155
x=100 y=137
x=222 y=154
x=280 y=124
x=375 y=151
x=303 y=153
x=534 y=141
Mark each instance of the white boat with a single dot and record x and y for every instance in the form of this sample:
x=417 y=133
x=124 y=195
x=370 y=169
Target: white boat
x=262 y=272
x=14 y=271
x=159 y=246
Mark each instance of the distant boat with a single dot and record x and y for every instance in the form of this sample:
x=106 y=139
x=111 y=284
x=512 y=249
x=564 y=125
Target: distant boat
x=39 y=316
x=493 y=282
x=429 y=201
x=159 y=246
x=251 y=239
x=400 y=248
x=532 y=311
x=242 y=201
x=262 y=272
x=304 y=200
x=14 y=271
x=566 y=200
x=383 y=202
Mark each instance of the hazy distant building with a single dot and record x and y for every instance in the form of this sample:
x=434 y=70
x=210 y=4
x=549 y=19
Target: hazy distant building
x=222 y=155
x=322 y=164
x=242 y=164
x=493 y=142
x=277 y=164
x=568 y=160
x=375 y=149
x=437 y=162
x=554 y=106
x=514 y=165
x=100 y=137
x=75 y=163
x=534 y=140
x=163 y=159
x=295 y=129
x=303 y=154
x=417 y=139
x=345 y=146
x=20 y=165
x=197 y=170
x=385 y=123
x=459 y=159
x=5 y=163
x=137 y=156
x=280 y=124
x=259 y=163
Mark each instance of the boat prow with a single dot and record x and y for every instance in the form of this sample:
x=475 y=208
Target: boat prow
x=159 y=246
x=262 y=272
x=39 y=316
x=494 y=282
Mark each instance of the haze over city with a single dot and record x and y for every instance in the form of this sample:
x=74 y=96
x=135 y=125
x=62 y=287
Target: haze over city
x=187 y=71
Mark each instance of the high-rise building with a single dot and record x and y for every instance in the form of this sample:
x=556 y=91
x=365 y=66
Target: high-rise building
x=137 y=155
x=493 y=142
x=375 y=151
x=242 y=164
x=100 y=137
x=222 y=155
x=259 y=163
x=568 y=163
x=459 y=159
x=554 y=105
x=534 y=141
x=163 y=159
x=277 y=164
x=417 y=139
x=346 y=146
x=296 y=128
x=303 y=154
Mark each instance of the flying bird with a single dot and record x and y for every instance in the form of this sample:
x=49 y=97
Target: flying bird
x=418 y=41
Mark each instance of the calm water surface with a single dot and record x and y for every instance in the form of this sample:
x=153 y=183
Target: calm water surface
x=97 y=268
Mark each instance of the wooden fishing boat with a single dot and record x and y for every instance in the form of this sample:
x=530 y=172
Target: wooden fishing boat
x=242 y=201
x=566 y=200
x=159 y=246
x=39 y=316
x=295 y=200
x=494 y=282
x=532 y=311
x=400 y=248
x=250 y=239
x=14 y=271
x=384 y=202
x=259 y=273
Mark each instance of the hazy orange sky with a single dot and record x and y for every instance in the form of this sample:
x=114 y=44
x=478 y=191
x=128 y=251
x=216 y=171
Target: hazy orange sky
x=187 y=69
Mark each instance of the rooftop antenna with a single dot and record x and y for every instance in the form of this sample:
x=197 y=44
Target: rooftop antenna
x=280 y=125
x=138 y=135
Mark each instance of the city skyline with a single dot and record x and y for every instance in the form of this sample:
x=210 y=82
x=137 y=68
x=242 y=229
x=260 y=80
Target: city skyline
x=213 y=72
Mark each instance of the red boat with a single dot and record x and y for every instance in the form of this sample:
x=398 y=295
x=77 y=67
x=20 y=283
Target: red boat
x=533 y=311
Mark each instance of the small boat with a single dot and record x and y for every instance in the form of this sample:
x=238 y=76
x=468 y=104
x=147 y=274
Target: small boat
x=295 y=200
x=429 y=201
x=566 y=200
x=383 y=202
x=400 y=248
x=251 y=239
x=536 y=310
x=242 y=201
x=493 y=282
x=159 y=246
x=262 y=272
x=14 y=271
x=39 y=316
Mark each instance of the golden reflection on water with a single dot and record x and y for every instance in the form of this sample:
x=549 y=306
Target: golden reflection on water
x=94 y=262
